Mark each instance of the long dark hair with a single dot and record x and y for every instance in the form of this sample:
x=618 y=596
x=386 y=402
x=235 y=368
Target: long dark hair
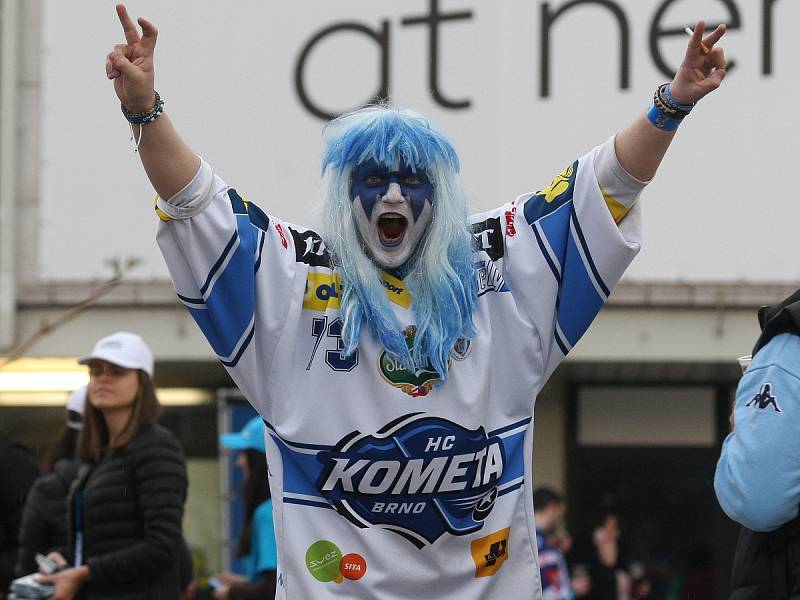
x=256 y=492
x=65 y=447
x=94 y=442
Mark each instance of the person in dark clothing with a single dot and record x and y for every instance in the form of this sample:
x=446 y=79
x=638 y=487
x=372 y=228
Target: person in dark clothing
x=257 y=539
x=608 y=578
x=18 y=470
x=757 y=479
x=124 y=509
x=44 y=518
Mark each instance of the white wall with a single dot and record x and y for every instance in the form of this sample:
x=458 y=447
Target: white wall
x=721 y=209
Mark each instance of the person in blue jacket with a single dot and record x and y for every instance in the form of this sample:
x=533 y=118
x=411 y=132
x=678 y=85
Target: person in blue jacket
x=257 y=540
x=757 y=479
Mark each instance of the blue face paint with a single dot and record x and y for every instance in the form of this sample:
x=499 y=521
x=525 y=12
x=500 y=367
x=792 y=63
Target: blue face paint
x=371 y=180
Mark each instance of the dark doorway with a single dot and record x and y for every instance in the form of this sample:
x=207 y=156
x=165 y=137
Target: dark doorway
x=671 y=523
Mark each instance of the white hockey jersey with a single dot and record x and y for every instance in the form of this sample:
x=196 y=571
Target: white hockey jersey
x=386 y=483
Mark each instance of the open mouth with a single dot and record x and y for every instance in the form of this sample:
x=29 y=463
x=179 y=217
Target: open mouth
x=391 y=229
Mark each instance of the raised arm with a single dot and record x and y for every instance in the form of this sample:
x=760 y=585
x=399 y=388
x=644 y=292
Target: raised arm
x=169 y=162
x=641 y=145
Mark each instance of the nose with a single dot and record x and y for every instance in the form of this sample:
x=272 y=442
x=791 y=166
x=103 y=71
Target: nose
x=394 y=193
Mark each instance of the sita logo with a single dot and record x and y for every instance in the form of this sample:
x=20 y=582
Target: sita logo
x=420 y=382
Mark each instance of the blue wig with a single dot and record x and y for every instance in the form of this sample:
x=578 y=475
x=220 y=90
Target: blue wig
x=439 y=276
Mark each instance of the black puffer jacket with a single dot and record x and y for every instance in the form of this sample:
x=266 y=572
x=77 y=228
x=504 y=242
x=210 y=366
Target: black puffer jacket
x=132 y=505
x=18 y=471
x=44 y=518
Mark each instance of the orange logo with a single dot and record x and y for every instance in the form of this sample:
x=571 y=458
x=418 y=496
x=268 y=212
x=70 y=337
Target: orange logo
x=490 y=552
x=353 y=566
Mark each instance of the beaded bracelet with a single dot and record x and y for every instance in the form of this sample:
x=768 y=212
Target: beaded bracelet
x=148 y=116
x=666 y=113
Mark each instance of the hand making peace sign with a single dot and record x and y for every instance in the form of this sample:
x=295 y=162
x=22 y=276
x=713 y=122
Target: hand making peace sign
x=703 y=66
x=130 y=65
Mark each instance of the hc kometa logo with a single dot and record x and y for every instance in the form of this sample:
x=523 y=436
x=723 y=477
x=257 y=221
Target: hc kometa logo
x=420 y=477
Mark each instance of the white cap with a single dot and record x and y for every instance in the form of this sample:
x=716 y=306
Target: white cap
x=76 y=404
x=123 y=349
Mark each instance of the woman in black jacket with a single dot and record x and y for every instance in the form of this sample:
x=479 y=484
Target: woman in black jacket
x=44 y=523
x=126 y=505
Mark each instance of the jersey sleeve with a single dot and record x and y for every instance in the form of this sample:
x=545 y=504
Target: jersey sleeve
x=233 y=267
x=266 y=557
x=757 y=480
x=563 y=253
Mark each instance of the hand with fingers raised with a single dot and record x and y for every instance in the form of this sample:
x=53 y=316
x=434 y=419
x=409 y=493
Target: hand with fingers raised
x=703 y=66
x=130 y=65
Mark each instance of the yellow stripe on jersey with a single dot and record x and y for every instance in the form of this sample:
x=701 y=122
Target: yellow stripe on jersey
x=618 y=209
x=396 y=290
x=161 y=214
x=323 y=291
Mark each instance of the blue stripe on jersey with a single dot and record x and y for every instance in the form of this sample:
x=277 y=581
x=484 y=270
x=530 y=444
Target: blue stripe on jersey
x=579 y=300
x=196 y=301
x=513 y=488
x=260 y=250
x=510 y=427
x=585 y=247
x=555 y=228
x=237 y=204
x=320 y=504
x=220 y=261
x=229 y=292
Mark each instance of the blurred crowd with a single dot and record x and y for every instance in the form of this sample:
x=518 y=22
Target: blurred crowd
x=101 y=518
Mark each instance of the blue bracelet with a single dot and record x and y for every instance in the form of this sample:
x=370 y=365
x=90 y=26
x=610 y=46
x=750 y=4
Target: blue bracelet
x=679 y=105
x=662 y=120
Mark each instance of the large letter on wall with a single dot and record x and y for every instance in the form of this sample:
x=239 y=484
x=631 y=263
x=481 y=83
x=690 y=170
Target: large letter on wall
x=549 y=17
x=381 y=38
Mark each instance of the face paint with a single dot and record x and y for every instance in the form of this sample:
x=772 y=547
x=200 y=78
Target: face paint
x=371 y=180
x=392 y=210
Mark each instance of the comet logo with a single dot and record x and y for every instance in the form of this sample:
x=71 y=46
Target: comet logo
x=419 y=476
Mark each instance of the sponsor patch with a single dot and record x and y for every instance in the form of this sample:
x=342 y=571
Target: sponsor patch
x=279 y=229
x=325 y=562
x=489 y=278
x=322 y=291
x=490 y=552
x=488 y=237
x=418 y=383
x=511 y=231
x=310 y=249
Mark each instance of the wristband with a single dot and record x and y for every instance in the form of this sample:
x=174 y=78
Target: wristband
x=662 y=120
x=143 y=118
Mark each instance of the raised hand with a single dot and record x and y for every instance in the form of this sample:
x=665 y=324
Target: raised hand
x=703 y=66
x=130 y=65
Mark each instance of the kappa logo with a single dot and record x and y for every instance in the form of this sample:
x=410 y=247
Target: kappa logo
x=765 y=398
x=490 y=552
x=420 y=477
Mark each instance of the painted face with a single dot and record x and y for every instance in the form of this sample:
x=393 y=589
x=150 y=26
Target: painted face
x=392 y=208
